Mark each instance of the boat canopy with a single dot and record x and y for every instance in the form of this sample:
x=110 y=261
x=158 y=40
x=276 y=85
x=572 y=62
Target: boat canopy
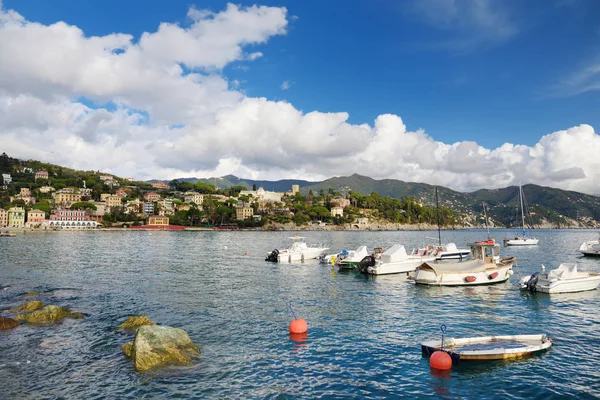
x=466 y=267
x=564 y=271
x=396 y=253
x=450 y=247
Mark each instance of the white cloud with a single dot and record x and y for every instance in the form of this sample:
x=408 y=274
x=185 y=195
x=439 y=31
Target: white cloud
x=171 y=113
x=584 y=80
x=285 y=85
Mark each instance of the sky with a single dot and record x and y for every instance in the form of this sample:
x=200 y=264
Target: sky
x=467 y=94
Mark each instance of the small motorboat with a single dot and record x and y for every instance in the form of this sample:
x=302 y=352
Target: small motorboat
x=395 y=260
x=564 y=279
x=299 y=251
x=488 y=347
x=486 y=267
x=351 y=258
x=590 y=248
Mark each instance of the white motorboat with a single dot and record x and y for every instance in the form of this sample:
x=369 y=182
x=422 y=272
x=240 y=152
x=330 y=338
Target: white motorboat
x=564 y=279
x=299 y=251
x=590 y=248
x=450 y=252
x=395 y=260
x=486 y=267
x=521 y=240
x=351 y=258
x=488 y=347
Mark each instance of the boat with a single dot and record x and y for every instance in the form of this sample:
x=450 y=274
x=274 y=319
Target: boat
x=564 y=279
x=395 y=260
x=7 y=234
x=590 y=248
x=299 y=251
x=351 y=258
x=488 y=347
x=486 y=267
x=522 y=240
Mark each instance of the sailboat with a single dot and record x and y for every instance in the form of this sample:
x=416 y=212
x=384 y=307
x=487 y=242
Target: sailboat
x=522 y=240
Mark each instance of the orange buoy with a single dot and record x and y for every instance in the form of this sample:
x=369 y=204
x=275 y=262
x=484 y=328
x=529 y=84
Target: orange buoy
x=246 y=253
x=440 y=360
x=298 y=326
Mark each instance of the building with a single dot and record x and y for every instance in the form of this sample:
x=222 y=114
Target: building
x=105 y=178
x=262 y=194
x=337 y=212
x=193 y=197
x=133 y=206
x=3 y=218
x=25 y=192
x=46 y=189
x=35 y=217
x=158 y=220
x=72 y=219
x=242 y=213
x=148 y=208
x=113 y=201
x=104 y=196
x=165 y=206
x=295 y=189
x=160 y=185
x=42 y=174
x=16 y=217
x=6 y=178
x=151 y=196
x=66 y=198
x=121 y=193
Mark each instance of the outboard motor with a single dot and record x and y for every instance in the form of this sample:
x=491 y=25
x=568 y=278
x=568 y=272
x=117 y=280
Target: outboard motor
x=532 y=282
x=272 y=257
x=364 y=264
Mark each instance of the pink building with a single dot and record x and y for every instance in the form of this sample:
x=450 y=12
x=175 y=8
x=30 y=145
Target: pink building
x=152 y=196
x=43 y=174
x=341 y=202
x=70 y=215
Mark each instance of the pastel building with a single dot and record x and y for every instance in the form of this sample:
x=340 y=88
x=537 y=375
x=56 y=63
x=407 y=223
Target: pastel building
x=72 y=219
x=35 y=217
x=337 y=212
x=193 y=197
x=42 y=174
x=262 y=194
x=158 y=220
x=3 y=218
x=160 y=185
x=151 y=196
x=16 y=217
x=242 y=213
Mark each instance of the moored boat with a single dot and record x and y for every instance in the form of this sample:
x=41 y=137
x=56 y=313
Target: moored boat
x=395 y=260
x=590 y=248
x=489 y=347
x=299 y=251
x=521 y=240
x=351 y=258
x=486 y=267
x=564 y=279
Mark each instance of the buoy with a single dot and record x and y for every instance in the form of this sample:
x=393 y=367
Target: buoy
x=245 y=253
x=440 y=360
x=493 y=275
x=298 y=326
x=299 y=337
x=470 y=278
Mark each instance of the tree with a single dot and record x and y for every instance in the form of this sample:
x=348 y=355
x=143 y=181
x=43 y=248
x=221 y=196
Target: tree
x=254 y=187
x=83 y=205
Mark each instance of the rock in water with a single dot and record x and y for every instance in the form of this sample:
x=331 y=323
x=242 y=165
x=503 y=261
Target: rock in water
x=7 y=323
x=27 y=307
x=48 y=315
x=134 y=322
x=156 y=346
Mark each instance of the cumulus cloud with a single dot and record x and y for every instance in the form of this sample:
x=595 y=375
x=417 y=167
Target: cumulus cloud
x=159 y=106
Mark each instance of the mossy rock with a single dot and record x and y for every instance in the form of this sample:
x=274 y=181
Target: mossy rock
x=135 y=321
x=27 y=307
x=159 y=346
x=48 y=315
x=8 y=323
x=31 y=294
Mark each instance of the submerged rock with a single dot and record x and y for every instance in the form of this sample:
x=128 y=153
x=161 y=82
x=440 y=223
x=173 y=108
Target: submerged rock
x=133 y=322
x=27 y=307
x=157 y=346
x=8 y=323
x=48 y=315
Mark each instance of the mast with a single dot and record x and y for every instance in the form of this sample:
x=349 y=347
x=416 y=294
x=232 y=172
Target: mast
x=437 y=204
x=522 y=211
x=486 y=221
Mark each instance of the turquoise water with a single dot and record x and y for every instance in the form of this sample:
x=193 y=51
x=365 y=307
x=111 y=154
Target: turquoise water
x=364 y=332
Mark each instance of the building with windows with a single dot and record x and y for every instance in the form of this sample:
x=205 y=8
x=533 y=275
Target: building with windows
x=158 y=220
x=3 y=218
x=151 y=196
x=113 y=201
x=66 y=197
x=160 y=185
x=72 y=219
x=6 y=178
x=35 y=217
x=337 y=211
x=16 y=217
x=149 y=208
x=193 y=197
x=42 y=174
x=242 y=213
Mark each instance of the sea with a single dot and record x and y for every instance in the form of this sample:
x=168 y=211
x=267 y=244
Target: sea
x=364 y=334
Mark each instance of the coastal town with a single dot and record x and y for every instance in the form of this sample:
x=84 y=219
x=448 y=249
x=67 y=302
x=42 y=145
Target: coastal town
x=55 y=198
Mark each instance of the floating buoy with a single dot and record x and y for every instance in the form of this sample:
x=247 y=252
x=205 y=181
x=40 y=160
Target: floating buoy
x=245 y=253
x=298 y=326
x=299 y=337
x=440 y=360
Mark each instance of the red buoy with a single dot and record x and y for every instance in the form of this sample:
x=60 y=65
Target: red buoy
x=298 y=326
x=440 y=360
x=493 y=275
x=470 y=278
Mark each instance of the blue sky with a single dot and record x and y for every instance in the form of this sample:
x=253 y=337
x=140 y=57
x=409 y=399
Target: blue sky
x=370 y=58
x=189 y=101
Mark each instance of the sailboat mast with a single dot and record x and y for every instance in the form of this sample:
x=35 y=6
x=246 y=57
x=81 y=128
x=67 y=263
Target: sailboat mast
x=486 y=221
x=437 y=204
x=522 y=211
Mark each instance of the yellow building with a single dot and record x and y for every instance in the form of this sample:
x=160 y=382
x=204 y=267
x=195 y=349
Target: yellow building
x=16 y=217
x=113 y=201
x=3 y=218
x=66 y=199
x=242 y=213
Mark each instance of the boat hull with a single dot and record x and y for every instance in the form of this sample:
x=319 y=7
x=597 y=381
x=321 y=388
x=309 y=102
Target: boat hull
x=403 y=267
x=453 y=256
x=489 y=348
x=521 y=242
x=306 y=254
x=424 y=275
x=585 y=283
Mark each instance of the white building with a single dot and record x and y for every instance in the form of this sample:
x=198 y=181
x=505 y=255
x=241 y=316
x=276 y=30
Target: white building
x=263 y=195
